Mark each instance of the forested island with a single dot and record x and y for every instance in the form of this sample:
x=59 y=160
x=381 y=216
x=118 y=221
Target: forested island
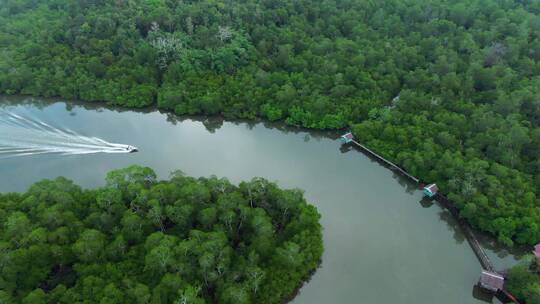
x=141 y=240
x=450 y=90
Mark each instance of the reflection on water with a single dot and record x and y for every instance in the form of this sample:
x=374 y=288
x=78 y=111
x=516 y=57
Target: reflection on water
x=453 y=226
x=480 y=294
x=384 y=242
x=426 y=202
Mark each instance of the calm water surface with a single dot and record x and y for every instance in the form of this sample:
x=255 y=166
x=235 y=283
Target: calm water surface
x=384 y=244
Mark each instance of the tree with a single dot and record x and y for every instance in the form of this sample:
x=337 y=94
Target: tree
x=16 y=227
x=37 y=296
x=90 y=245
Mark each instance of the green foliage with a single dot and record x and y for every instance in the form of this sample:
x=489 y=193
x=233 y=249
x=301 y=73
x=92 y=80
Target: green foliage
x=139 y=240
x=271 y=113
x=449 y=90
x=524 y=281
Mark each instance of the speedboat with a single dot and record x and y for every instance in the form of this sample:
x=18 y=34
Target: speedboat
x=132 y=149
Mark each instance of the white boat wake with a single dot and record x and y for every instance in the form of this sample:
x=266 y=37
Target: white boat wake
x=24 y=136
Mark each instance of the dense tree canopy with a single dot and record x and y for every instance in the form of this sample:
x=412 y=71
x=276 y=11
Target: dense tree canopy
x=140 y=240
x=450 y=90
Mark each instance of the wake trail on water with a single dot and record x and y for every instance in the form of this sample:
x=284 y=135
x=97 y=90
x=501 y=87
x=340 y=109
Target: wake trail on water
x=25 y=136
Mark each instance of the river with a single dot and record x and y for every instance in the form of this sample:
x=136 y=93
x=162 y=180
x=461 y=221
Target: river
x=383 y=242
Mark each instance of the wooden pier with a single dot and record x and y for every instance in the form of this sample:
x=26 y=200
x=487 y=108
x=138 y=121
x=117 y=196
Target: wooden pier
x=384 y=160
x=478 y=250
x=473 y=241
x=468 y=232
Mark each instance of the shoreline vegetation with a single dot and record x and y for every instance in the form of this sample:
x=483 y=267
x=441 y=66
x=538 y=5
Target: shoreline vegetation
x=450 y=91
x=143 y=240
x=523 y=280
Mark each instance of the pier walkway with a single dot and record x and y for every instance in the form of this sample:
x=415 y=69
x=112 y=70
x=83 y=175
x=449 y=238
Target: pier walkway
x=477 y=248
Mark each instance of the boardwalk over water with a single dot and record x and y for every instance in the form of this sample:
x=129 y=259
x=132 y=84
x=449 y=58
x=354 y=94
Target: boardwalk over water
x=468 y=232
x=384 y=160
x=473 y=241
x=465 y=227
x=477 y=248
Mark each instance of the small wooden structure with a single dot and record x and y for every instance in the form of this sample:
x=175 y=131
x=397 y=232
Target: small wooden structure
x=491 y=281
x=537 y=251
x=347 y=138
x=431 y=190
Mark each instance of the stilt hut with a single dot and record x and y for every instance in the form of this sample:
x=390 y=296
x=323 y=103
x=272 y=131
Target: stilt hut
x=431 y=190
x=347 y=138
x=491 y=281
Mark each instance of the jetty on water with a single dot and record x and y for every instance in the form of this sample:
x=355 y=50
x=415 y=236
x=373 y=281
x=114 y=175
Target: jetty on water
x=490 y=279
x=349 y=138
